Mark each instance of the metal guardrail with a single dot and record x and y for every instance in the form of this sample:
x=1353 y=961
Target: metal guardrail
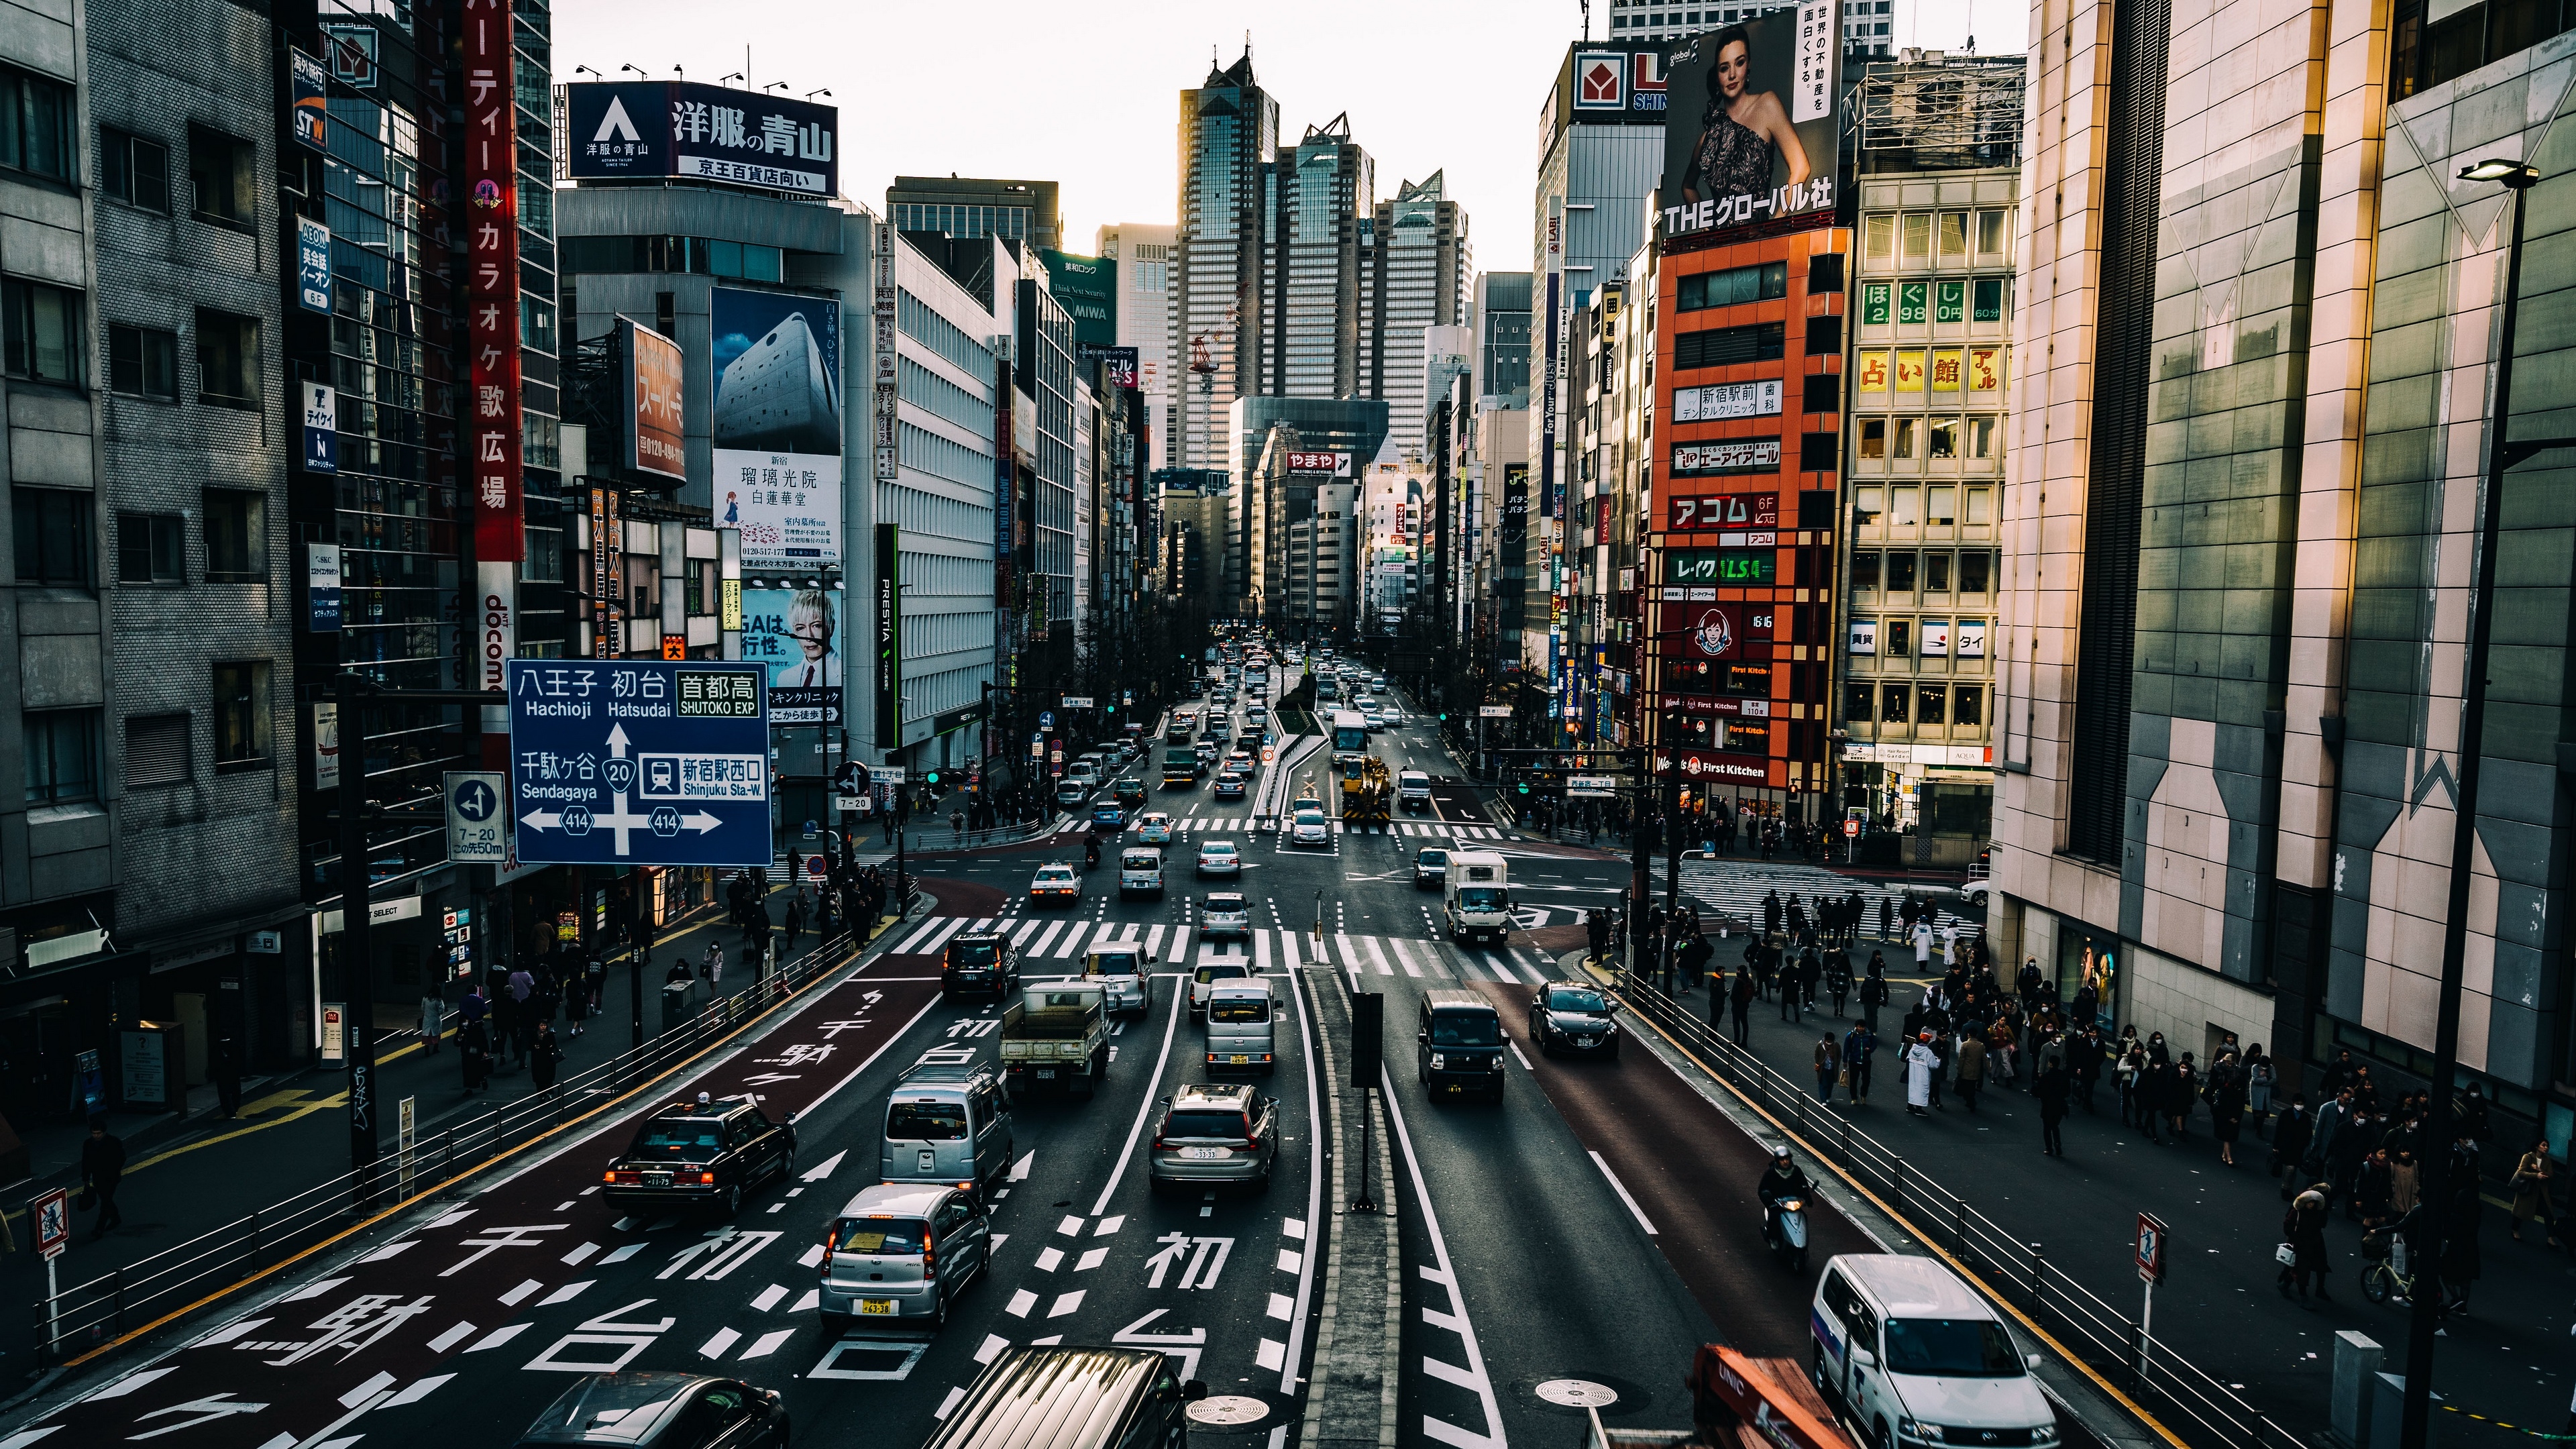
x=87 y=1316
x=2196 y=1406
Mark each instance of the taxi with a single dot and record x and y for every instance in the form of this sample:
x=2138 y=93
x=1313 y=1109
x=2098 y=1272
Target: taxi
x=1154 y=828
x=1056 y=884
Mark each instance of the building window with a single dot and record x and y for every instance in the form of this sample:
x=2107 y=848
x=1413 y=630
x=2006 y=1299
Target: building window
x=1891 y=704
x=1734 y=286
x=143 y=362
x=1900 y=638
x=53 y=537
x=1865 y=501
x=236 y=536
x=62 y=756
x=1908 y=433
x=1945 y=437
x=225 y=171
x=1918 y=236
x=1860 y=701
x=35 y=124
x=241 y=717
x=1879 y=237
x=1936 y=573
x=1900 y=573
x=1938 y=509
x=1954 y=236
x=1989 y=304
x=1719 y=346
x=1975 y=569
x=1971 y=708
x=156 y=750
x=1981 y=439
x=1931 y=704
x=228 y=366
x=151 y=548
x=43 y=333
x=1873 y=440
x=1864 y=570
x=134 y=170
x=536 y=323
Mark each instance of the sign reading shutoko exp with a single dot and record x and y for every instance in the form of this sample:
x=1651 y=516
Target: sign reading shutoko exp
x=639 y=762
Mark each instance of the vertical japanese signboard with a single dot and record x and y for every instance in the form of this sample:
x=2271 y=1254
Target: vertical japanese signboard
x=492 y=280
x=607 y=575
x=889 y=637
x=310 y=105
x=313 y=265
x=649 y=379
x=887 y=456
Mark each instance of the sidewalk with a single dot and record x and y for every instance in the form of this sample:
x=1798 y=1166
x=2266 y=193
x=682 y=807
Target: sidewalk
x=190 y=1174
x=2218 y=1304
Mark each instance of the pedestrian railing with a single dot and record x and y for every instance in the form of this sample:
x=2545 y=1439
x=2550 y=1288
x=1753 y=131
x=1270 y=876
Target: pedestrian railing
x=83 y=1317
x=2199 y=1408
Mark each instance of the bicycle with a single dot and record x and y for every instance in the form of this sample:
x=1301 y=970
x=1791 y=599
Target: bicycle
x=2384 y=1267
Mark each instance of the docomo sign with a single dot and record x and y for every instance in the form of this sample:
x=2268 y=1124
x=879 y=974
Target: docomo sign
x=1336 y=464
x=500 y=641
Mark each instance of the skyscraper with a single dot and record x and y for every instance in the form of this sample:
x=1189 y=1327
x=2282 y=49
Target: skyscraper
x=1229 y=127
x=1316 y=199
x=1143 y=253
x=1418 y=276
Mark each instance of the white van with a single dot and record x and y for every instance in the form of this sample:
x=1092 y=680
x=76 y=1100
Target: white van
x=1140 y=872
x=1476 y=904
x=1916 y=1360
x=1239 y=1027
x=1413 y=791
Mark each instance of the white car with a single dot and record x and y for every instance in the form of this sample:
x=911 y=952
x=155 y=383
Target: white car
x=1225 y=914
x=1308 y=828
x=1972 y=895
x=1219 y=857
x=1153 y=828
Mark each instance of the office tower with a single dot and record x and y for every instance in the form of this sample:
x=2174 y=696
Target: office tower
x=1417 y=279
x=972 y=206
x=1229 y=129
x=1143 y=254
x=1502 y=322
x=1865 y=22
x=1319 y=196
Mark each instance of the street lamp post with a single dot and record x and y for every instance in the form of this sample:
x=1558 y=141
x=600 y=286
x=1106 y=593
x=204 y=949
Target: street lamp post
x=2425 y=1320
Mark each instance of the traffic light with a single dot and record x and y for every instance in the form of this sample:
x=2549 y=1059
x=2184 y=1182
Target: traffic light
x=931 y=778
x=1522 y=787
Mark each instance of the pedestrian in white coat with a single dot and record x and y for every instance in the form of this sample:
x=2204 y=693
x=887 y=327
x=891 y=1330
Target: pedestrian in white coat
x=1921 y=1061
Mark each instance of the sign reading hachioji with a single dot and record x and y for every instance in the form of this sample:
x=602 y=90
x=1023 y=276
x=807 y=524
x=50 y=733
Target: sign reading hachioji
x=639 y=762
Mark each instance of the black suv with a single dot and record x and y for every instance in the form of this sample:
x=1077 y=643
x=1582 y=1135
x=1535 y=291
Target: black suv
x=662 y=1411
x=978 y=962
x=1460 y=1045
x=701 y=1153
x=1573 y=1016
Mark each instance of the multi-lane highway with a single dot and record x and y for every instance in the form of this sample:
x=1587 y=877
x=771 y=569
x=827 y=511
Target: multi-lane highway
x=1595 y=1226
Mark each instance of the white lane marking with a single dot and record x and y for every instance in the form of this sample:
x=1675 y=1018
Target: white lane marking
x=1377 y=955
x=1048 y=1259
x=715 y=1347
x=26 y=1437
x=396 y=1250
x=1071 y=1226
x=1044 y=937
x=810 y=1257
x=1291 y=1261
x=1146 y=1104
x=991 y=1348
x=1066 y=1303
x=1448 y=1372
x=948 y=1406
x=1270 y=1355
x=620 y=1255
x=1154 y=940
x=416 y=1391
x=565 y=1294
x=1465 y=1330
x=1020 y=1169
x=898 y=1034
x=1288 y=945
x=823 y=1169
x=580 y=1255
x=767 y=1343
x=1524 y=1061
x=130 y=1383
x=519 y=1295
x=498 y=1337
x=1020 y=937
x=1091 y=1260
x=451 y=1338
x=768 y=1297
x=1280 y=1306
x=806 y=1301
x=314 y=1289
x=1110 y=1224
x=1296 y=1227
x=1622 y=1189
x=1020 y=1304
x=237 y=1329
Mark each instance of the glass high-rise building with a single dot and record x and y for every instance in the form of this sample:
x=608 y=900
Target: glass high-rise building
x=1229 y=130
x=1318 y=199
x=1418 y=277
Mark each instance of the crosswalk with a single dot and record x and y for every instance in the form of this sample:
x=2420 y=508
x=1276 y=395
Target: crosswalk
x=1065 y=939
x=1222 y=824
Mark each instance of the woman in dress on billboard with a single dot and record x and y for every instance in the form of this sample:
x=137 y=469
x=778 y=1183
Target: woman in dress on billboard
x=1746 y=133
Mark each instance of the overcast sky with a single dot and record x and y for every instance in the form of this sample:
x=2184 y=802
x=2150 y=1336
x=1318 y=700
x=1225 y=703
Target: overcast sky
x=1087 y=95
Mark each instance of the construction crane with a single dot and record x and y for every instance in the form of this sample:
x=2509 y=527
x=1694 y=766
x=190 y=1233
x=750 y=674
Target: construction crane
x=1368 y=792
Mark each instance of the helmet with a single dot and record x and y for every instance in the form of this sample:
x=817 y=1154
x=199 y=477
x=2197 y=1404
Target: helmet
x=1780 y=1153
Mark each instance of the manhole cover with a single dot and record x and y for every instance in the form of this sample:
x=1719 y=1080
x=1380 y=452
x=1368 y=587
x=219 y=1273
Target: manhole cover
x=1578 y=1393
x=1231 y=1411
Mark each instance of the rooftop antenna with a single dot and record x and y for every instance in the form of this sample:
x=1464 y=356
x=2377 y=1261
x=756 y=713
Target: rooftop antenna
x=1587 y=19
x=682 y=74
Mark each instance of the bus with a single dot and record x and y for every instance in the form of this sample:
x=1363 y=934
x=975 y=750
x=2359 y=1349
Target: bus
x=1350 y=739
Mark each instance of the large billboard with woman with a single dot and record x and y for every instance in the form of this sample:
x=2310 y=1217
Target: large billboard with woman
x=1752 y=135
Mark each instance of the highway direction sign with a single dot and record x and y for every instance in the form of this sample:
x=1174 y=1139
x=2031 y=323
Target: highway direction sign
x=639 y=762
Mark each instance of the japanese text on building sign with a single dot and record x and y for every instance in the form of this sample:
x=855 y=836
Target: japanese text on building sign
x=492 y=281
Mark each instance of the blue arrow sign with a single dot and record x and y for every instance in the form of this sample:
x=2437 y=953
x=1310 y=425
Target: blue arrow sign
x=639 y=762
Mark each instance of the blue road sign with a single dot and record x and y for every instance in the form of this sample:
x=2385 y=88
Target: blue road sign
x=639 y=762
x=1046 y=719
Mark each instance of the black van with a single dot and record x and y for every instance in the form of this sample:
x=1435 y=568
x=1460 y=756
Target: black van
x=1459 y=1045
x=1072 y=1398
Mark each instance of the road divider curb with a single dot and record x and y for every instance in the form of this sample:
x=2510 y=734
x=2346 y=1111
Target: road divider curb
x=1350 y=1400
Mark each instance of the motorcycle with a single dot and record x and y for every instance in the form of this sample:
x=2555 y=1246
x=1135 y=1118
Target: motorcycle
x=1784 y=1228
x=1090 y=854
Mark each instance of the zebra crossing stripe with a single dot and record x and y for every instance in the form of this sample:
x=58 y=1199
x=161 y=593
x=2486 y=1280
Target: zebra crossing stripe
x=1378 y=955
x=1154 y=940
x=1261 y=952
x=1027 y=929
x=1405 y=959
x=1073 y=939
x=1288 y=944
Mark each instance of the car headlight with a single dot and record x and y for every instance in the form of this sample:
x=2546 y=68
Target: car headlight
x=1928 y=1433
x=1439 y=1063
x=2043 y=1434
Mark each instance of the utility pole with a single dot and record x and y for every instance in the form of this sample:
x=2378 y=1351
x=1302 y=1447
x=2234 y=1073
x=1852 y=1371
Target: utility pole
x=357 y=965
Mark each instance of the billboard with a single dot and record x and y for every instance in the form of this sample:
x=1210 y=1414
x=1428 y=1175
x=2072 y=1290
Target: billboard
x=1754 y=137
x=309 y=101
x=777 y=425
x=1122 y=362
x=795 y=634
x=1604 y=83
x=491 y=235
x=1087 y=288
x=649 y=375
x=648 y=130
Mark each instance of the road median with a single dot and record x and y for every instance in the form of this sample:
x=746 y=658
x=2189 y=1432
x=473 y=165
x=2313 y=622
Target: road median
x=1350 y=1400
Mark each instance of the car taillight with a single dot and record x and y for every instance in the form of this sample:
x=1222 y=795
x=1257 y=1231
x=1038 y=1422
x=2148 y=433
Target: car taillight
x=706 y=1177
x=831 y=1244
x=608 y=1176
x=1160 y=1145
x=929 y=1266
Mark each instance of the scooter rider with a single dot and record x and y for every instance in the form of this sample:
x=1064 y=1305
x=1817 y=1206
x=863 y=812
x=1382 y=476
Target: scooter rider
x=1090 y=853
x=1785 y=1179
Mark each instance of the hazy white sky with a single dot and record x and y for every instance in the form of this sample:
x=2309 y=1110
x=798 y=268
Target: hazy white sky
x=1087 y=95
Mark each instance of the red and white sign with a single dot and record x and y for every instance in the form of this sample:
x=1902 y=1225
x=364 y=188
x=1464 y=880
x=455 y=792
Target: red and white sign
x=1647 y=73
x=492 y=283
x=1716 y=631
x=51 y=1212
x=1700 y=511
x=1600 y=81
x=1336 y=464
x=1726 y=704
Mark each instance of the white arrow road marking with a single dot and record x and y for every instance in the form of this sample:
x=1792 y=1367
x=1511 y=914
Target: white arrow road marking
x=824 y=1168
x=129 y=1384
x=207 y=1410
x=1020 y=1169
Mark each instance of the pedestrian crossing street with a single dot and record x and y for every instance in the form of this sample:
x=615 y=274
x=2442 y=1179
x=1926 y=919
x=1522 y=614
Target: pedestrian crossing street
x=1736 y=888
x=1223 y=824
x=1064 y=939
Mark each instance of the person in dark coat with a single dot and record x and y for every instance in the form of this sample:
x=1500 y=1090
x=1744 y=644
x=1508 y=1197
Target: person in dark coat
x=1745 y=990
x=2303 y=1227
x=2051 y=1087
x=544 y=1053
x=102 y=1168
x=2227 y=1106
x=474 y=1048
x=2290 y=1143
x=2460 y=1257
x=577 y=1004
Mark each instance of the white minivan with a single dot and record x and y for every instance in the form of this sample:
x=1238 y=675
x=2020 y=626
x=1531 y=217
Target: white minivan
x=1916 y=1360
x=1140 y=872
